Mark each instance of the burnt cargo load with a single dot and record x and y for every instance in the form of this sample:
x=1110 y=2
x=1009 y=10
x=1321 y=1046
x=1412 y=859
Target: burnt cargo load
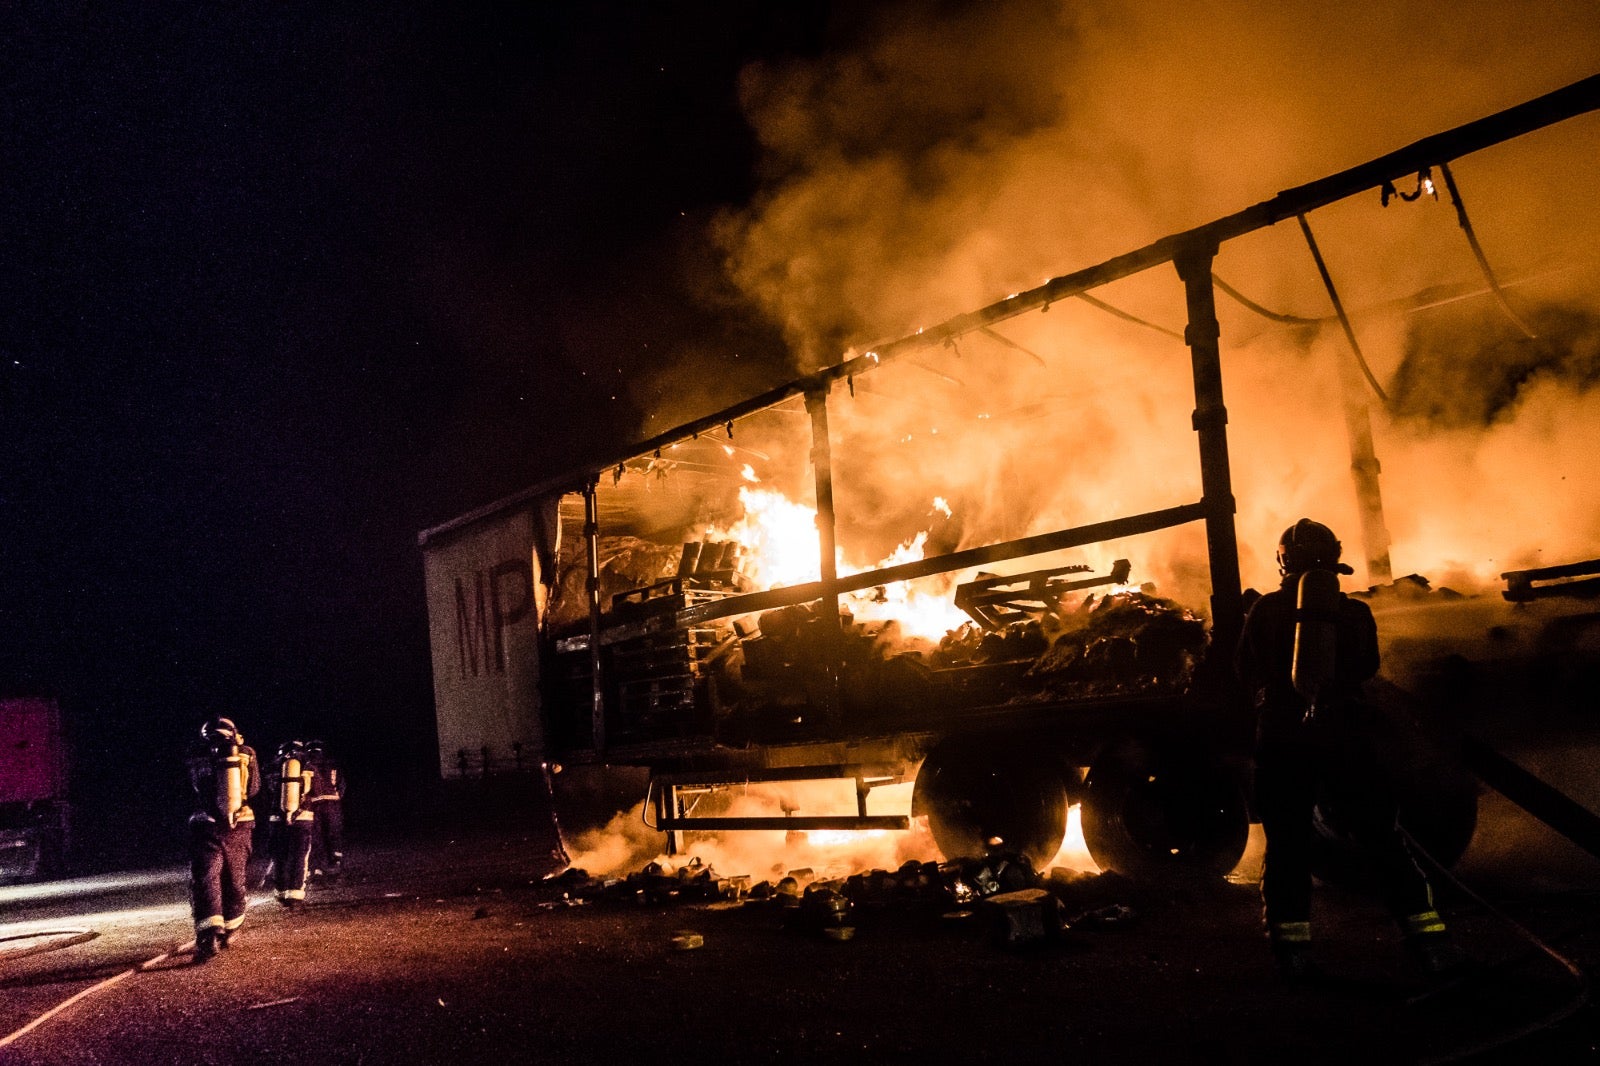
x=34 y=813
x=1018 y=584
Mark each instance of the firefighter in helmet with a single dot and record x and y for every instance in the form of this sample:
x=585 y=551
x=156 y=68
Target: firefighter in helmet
x=1304 y=654
x=224 y=775
x=326 y=800
x=292 y=822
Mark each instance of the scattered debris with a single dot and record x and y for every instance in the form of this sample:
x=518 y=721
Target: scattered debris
x=1111 y=916
x=1020 y=906
x=823 y=910
x=1026 y=916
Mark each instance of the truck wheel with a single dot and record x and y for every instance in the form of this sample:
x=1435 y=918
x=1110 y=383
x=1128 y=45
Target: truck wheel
x=1436 y=792
x=975 y=794
x=1439 y=822
x=1442 y=823
x=1155 y=815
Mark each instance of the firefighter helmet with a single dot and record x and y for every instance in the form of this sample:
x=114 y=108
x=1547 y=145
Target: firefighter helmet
x=291 y=749
x=1309 y=545
x=221 y=729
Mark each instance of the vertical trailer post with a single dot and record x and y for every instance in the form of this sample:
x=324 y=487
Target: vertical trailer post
x=1211 y=425
x=1364 y=466
x=668 y=811
x=822 y=469
x=591 y=536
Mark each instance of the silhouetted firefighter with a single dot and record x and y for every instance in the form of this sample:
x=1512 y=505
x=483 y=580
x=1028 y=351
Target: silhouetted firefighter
x=325 y=797
x=1305 y=652
x=223 y=772
x=291 y=782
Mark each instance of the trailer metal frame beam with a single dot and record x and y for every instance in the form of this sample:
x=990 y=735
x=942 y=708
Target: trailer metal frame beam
x=883 y=773
x=799 y=824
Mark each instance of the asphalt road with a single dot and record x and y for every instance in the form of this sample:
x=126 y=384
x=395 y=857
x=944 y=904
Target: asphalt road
x=457 y=951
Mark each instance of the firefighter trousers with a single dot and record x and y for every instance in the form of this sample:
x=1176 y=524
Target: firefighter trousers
x=1293 y=777
x=329 y=835
x=218 y=862
x=291 y=857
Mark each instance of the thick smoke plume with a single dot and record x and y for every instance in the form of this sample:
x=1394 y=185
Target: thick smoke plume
x=955 y=153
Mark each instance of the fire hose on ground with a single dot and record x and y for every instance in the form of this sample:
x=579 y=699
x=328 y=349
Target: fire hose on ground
x=56 y=939
x=1563 y=815
x=73 y=937
x=80 y=936
x=1567 y=1009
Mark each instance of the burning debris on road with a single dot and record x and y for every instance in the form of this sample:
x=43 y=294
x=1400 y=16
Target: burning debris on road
x=1017 y=904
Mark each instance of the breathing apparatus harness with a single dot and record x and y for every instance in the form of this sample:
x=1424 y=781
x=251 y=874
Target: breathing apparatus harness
x=294 y=775
x=1310 y=550
x=230 y=771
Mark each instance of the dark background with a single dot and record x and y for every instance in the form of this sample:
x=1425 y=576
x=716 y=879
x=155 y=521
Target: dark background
x=284 y=286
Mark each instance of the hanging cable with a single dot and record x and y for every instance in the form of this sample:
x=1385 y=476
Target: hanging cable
x=1009 y=343
x=1135 y=319
x=1477 y=252
x=1249 y=304
x=1338 y=309
x=940 y=374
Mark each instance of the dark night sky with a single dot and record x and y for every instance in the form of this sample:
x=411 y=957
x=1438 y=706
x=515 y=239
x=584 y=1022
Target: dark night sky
x=284 y=286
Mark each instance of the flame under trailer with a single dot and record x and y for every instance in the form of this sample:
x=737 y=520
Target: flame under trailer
x=593 y=619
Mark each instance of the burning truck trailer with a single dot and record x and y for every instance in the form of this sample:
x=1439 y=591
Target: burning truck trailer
x=718 y=621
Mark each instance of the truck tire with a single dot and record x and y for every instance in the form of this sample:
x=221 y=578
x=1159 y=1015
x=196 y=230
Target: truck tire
x=976 y=793
x=1163 y=815
x=1438 y=814
x=1436 y=792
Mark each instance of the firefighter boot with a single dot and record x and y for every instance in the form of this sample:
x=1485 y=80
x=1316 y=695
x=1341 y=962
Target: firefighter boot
x=1291 y=948
x=205 y=944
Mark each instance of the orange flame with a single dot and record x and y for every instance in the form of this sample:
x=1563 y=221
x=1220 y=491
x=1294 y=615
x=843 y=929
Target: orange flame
x=782 y=547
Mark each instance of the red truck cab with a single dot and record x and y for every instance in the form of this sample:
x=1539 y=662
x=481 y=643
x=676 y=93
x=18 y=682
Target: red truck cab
x=34 y=813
